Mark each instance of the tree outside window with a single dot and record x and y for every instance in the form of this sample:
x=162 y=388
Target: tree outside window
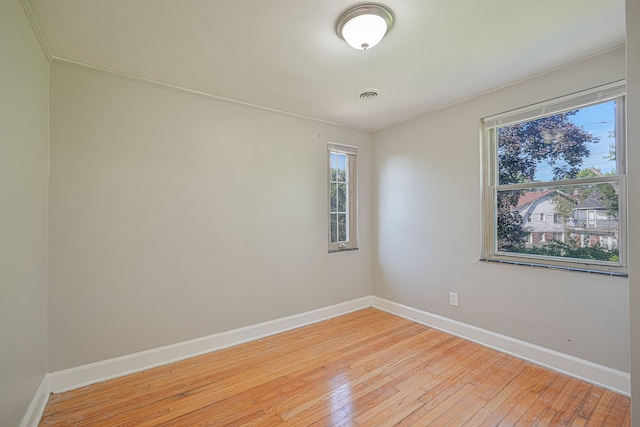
x=568 y=162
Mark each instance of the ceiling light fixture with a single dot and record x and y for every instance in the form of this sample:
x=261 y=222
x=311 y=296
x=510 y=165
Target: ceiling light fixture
x=364 y=25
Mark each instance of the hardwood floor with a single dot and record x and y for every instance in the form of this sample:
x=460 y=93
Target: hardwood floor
x=367 y=368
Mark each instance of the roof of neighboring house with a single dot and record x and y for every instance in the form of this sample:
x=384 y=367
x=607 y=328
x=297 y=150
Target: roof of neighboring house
x=532 y=196
x=593 y=201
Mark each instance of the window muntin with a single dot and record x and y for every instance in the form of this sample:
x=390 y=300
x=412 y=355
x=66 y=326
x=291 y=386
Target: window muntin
x=342 y=197
x=576 y=177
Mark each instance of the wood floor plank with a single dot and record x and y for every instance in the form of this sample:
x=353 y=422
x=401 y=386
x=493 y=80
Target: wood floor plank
x=225 y=378
x=244 y=359
x=569 y=408
x=439 y=415
x=545 y=418
x=449 y=381
x=513 y=392
x=361 y=369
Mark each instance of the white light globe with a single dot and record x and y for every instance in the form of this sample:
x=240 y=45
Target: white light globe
x=364 y=31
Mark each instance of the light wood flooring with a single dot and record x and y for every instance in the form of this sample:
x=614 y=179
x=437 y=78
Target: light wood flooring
x=366 y=368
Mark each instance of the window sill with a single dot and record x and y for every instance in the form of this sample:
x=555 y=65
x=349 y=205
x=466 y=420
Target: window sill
x=332 y=251
x=557 y=267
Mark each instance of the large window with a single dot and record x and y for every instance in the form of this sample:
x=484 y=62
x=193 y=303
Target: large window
x=342 y=197
x=563 y=159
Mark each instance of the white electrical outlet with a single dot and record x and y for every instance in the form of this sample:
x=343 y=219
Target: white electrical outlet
x=453 y=299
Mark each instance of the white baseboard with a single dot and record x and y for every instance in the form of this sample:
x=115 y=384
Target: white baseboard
x=38 y=403
x=80 y=376
x=92 y=373
x=603 y=376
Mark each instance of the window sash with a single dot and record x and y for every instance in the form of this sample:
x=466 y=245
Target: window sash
x=349 y=209
x=490 y=244
x=558 y=105
x=491 y=187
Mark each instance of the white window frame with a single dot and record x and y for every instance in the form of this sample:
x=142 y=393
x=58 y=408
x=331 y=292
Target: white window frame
x=351 y=153
x=617 y=91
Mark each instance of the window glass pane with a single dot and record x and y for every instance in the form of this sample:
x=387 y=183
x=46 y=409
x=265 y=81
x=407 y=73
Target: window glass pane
x=333 y=162
x=341 y=168
x=334 y=228
x=342 y=197
x=585 y=222
x=575 y=144
x=334 y=194
x=342 y=227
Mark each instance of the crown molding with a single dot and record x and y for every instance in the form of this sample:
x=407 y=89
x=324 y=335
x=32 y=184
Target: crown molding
x=131 y=77
x=36 y=29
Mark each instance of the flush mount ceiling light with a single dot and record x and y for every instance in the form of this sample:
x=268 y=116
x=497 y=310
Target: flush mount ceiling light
x=363 y=26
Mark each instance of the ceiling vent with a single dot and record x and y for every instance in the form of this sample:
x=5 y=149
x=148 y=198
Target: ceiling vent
x=369 y=94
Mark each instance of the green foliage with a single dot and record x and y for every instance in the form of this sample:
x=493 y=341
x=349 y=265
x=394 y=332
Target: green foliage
x=612 y=149
x=521 y=147
x=563 y=204
x=572 y=250
x=510 y=232
x=608 y=198
x=339 y=205
x=605 y=194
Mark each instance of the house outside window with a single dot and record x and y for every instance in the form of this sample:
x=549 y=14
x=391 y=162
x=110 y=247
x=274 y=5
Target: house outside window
x=342 y=175
x=563 y=158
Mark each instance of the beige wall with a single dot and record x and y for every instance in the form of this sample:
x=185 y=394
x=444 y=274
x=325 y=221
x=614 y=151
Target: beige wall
x=175 y=216
x=24 y=145
x=428 y=225
x=633 y=135
x=171 y=218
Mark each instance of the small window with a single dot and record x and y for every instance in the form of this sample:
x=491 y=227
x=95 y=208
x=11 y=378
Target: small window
x=591 y=219
x=566 y=156
x=529 y=217
x=342 y=197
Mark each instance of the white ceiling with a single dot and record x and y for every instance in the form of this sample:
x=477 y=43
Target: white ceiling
x=285 y=55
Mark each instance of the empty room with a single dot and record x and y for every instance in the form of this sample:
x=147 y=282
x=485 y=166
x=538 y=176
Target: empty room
x=321 y=213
